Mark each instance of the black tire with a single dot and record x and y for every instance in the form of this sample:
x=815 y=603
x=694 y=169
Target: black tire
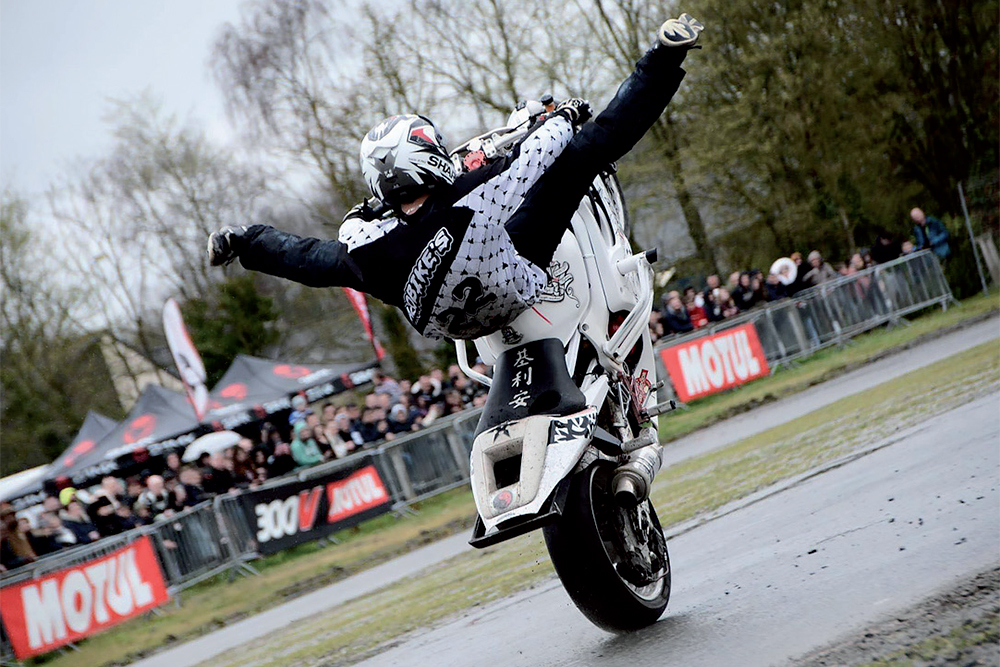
x=586 y=549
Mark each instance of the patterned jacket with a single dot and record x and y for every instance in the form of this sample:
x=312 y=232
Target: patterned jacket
x=452 y=269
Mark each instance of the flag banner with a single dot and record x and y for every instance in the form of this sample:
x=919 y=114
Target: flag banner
x=360 y=304
x=186 y=357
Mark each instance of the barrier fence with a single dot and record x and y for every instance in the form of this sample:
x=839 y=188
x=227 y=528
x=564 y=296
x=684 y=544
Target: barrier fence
x=821 y=316
x=226 y=533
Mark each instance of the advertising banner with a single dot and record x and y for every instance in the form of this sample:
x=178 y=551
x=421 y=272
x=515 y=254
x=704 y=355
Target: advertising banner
x=79 y=601
x=289 y=514
x=715 y=363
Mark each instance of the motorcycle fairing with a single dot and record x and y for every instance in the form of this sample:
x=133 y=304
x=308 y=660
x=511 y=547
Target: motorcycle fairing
x=530 y=379
x=544 y=448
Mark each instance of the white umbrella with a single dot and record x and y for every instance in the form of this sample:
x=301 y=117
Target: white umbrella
x=211 y=443
x=786 y=270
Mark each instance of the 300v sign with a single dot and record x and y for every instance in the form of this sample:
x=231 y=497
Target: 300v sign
x=298 y=512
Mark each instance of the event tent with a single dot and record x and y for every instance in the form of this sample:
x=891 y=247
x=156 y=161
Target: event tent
x=159 y=421
x=254 y=388
x=95 y=427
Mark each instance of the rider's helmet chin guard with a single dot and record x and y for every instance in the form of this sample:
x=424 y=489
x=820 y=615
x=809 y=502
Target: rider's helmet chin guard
x=404 y=157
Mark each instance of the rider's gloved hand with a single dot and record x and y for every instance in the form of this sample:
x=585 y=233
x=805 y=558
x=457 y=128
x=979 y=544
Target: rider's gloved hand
x=364 y=210
x=223 y=245
x=681 y=32
x=576 y=110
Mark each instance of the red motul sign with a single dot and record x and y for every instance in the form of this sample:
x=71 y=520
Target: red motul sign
x=70 y=604
x=713 y=363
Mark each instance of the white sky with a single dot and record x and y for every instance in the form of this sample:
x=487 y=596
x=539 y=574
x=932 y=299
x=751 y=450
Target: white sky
x=62 y=60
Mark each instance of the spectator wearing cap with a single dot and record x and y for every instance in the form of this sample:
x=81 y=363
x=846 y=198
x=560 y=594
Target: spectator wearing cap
x=820 y=272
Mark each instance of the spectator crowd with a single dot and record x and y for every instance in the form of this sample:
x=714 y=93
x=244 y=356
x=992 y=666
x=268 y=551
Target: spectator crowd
x=691 y=308
x=315 y=434
x=169 y=485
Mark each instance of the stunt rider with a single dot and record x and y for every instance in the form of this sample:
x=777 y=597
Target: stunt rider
x=464 y=255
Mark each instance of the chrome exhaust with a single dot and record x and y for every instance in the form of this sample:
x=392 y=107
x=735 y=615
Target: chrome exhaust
x=633 y=479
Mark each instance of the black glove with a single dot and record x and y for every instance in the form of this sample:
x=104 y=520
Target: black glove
x=576 y=110
x=365 y=210
x=223 y=245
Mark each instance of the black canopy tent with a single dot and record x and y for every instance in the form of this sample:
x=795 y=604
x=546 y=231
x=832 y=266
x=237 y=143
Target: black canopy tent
x=95 y=427
x=160 y=421
x=254 y=388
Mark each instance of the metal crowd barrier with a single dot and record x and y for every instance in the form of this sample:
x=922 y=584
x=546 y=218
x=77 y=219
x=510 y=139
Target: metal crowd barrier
x=837 y=310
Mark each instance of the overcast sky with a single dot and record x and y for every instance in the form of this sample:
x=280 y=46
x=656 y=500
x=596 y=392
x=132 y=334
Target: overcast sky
x=61 y=60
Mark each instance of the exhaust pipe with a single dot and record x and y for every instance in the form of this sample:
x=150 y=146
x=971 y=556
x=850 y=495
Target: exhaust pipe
x=633 y=479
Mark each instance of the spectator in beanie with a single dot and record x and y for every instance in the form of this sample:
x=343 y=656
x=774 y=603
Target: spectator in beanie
x=305 y=451
x=103 y=516
x=299 y=409
x=886 y=248
x=820 y=272
x=400 y=420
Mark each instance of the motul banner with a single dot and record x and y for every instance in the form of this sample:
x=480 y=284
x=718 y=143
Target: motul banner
x=79 y=601
x=186 y=357
x=714 y=363
x=360 y=304
x=289 y=514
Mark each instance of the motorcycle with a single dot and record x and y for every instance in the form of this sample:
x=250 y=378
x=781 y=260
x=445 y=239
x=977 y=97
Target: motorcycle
x=566 y=441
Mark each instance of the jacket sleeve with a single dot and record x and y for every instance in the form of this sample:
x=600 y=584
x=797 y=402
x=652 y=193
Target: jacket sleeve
x=312 y=262
x=506 y=182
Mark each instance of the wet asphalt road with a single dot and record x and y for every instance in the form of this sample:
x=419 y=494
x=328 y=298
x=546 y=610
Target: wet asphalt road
x=783 y=575
x=603 y=649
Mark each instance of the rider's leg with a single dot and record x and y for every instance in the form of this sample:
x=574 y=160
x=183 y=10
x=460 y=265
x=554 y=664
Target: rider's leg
x=538 y=225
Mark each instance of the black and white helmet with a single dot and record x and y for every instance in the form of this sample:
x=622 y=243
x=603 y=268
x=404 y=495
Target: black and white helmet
x=403 y=157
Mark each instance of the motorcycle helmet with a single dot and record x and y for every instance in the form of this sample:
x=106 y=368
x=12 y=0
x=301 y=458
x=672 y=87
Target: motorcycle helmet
x=404 y=157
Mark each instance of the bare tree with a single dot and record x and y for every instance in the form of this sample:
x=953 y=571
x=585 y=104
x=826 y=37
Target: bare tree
x=133 y=224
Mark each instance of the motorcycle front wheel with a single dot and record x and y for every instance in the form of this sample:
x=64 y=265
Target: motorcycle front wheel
x=612 y=560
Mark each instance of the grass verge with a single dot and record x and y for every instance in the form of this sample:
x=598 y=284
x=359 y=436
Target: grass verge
x=361 y=627
x=284 y=576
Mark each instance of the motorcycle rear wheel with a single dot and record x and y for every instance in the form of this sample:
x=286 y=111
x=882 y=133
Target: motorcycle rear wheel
x=616 y=570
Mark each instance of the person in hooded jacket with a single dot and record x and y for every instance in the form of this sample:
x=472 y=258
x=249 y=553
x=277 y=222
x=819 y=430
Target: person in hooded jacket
x=305 y=451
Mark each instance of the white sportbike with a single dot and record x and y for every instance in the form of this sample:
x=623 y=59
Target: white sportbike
x=566 y=441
